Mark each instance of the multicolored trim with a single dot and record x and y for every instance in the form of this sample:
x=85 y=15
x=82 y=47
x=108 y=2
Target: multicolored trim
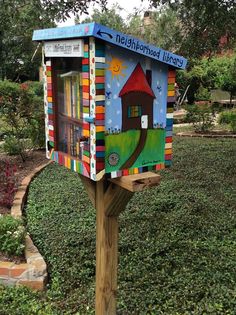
x=49 y=108
x=92 y=109
x=100 y=107
x=169 y=116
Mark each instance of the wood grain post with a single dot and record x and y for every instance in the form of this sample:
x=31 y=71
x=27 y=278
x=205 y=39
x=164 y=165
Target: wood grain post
x=110 y=197
x=106 y=256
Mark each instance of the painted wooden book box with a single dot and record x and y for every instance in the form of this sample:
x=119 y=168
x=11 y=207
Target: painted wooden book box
x=108 y=100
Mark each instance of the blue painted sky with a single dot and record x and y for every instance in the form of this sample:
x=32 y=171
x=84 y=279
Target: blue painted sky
x=114 y=84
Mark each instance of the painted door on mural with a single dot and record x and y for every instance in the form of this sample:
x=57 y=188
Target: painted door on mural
x=136 y=96
x=144 y=121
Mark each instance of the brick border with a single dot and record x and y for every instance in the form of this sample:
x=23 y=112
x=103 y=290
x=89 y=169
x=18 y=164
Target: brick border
x=33 y=273
x=196 y=135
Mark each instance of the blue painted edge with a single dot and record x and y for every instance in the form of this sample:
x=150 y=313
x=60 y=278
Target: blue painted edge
x=113 y=37
x=75 y=31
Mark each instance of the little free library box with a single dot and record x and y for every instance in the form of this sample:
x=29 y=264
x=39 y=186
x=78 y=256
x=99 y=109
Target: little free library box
x=108 y=101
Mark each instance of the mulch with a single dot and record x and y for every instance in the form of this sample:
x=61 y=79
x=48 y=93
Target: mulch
x=21 y=170
x=15 y=259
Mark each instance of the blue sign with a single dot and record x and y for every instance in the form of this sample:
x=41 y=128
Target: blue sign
x=138 y=46
x=111 y=36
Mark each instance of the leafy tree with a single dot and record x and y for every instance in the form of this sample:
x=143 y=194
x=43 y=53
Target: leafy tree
x=110 y=18
x=21 y=108
x=229 y=81
x=208 y=73
x=16 y=46
x=162 y=30
x=61 y=10
x=203 y=23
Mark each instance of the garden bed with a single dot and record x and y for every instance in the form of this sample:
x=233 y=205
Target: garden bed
x=29 y=270
x=17 y=170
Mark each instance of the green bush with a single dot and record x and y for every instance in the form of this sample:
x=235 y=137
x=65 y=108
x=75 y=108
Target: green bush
x=12 y=236
x=201 y=116
x=206 y=74
x=22 y=110
x=13 y=146
x=229 y=118
x=202 y=94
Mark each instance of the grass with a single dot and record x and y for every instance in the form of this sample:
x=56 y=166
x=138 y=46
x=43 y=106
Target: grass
x=177 y=241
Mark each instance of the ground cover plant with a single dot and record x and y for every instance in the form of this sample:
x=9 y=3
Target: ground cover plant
x=177 y=241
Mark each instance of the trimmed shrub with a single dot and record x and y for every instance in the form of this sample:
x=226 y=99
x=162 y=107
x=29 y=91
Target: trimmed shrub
x=229 y=118
x=201 y=116
x=23 y=112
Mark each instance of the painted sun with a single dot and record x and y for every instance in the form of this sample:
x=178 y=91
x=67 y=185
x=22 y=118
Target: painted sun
x=116 y=67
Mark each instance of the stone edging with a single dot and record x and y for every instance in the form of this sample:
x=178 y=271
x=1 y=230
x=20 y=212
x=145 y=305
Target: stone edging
x=195 y=135
x=33 y=273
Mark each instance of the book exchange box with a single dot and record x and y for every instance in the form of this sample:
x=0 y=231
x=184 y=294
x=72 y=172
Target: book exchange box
x=108 y=100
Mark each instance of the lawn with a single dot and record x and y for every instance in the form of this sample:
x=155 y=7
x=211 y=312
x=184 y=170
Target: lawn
x=177 y=241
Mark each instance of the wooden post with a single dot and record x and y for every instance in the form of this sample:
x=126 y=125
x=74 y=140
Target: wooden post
x=109 y=198
x=106 y=256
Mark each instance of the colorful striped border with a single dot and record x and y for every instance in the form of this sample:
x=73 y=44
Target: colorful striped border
x=169 y=116
x=92 y=111
x=49 y=107
x=100 y=107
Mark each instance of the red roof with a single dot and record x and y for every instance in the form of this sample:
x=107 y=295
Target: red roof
x=137 y=82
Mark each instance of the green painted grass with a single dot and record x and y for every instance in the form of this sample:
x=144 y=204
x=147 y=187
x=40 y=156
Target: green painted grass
x=125 y=143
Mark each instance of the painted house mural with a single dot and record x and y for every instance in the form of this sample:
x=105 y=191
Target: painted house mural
x=108 y=101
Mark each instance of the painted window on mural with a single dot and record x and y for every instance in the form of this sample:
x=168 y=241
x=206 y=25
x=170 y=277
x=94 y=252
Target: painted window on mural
x=134 y=111
x=69 y=105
